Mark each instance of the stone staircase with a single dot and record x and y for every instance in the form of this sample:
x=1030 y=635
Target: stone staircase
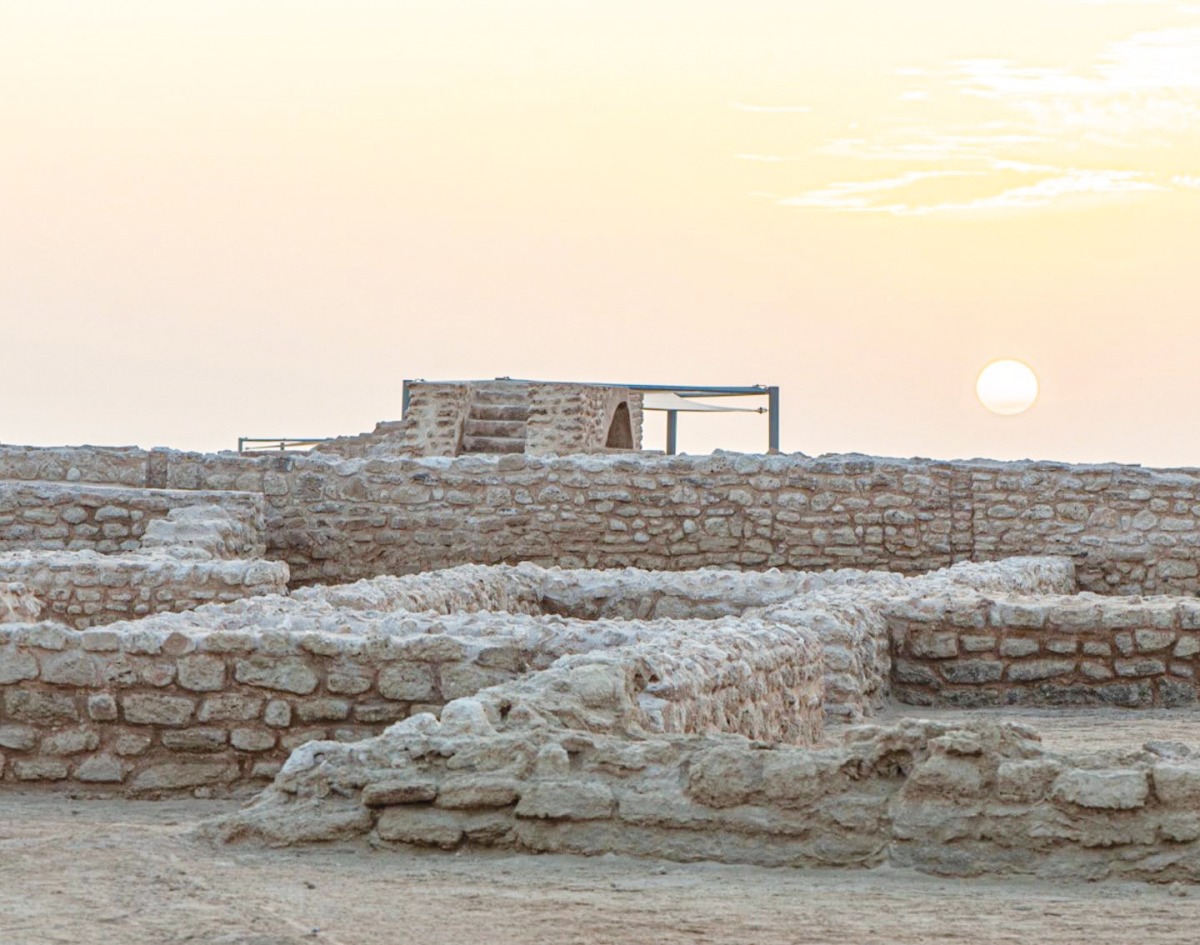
x=496 y=419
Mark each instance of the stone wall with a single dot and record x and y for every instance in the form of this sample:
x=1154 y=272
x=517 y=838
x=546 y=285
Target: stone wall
x=168 y=703
x=965 y=800
x=973 y=650
x=1130 y=530
x=68 y=516
x=154 y=707
x=566 y=419
x=85 y=589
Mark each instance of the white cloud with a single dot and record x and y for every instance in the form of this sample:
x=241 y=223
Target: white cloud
x=1186 y=180
x=870 y=196
x=744 y=107
x=861 y=195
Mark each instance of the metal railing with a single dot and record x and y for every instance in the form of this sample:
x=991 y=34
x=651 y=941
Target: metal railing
x=274 y=443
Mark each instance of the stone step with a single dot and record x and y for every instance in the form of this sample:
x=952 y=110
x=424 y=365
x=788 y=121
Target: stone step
x=493 y=444
x=515 y=396
x=510 y=429
x=519 y=412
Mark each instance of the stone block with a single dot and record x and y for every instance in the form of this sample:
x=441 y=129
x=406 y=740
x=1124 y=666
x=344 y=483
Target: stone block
x=972 y=672
x=286 y=675
x=407 y=682
x=101 y=769
x=933 y=645
x=173 y=776
x=278 y=714
x=40 y=708
x=201 y=673
x=477 y=791
x=41 y=769
x=323 y=710
x=566 y=800
x=70 y=742
x=16 y=665
x=195 y=739
x=252 y=739
x=1112 y=789
x=1017 y=647
x=231 y=707
x=1039 y=669
x=395 y=792
x=1139 y=667
x=153 y=709
x=1150 y=641
x=18 y=737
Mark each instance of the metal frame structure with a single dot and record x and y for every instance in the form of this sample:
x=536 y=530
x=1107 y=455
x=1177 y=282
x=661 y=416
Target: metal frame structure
x=280 y=443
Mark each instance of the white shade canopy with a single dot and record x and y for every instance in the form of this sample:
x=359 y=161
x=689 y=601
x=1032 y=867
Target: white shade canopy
x=669 y=400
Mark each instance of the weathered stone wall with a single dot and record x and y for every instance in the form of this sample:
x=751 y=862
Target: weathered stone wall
x=162 y=705
x=973 y=650
x=154 y=706
x=964 y=800
x=78 y=516
x=85 y=589
x=1130 y=530
x=565 y=419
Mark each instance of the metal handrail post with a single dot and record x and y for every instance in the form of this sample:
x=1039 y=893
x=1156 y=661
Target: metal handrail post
x=773 y=419
x=672 y=430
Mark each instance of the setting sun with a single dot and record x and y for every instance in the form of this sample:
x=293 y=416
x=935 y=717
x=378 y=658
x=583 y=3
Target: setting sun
x=1007 y=387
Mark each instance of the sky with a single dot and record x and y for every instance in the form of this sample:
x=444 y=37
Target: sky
x=256 y=218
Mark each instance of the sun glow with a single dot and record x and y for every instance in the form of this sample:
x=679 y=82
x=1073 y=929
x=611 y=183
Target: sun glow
x=1007 y=387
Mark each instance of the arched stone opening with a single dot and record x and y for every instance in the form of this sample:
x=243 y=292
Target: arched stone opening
x=620 y=431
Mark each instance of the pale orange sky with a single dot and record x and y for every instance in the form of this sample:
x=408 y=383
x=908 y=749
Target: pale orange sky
x=258 y=217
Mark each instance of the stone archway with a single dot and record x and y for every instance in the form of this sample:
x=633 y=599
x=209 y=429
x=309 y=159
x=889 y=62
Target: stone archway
x=620 y=431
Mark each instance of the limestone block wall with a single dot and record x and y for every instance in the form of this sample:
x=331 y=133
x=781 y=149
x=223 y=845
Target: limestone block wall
x=85 y=589
x=963 y=800
x=973 y=650
x=566 y=419
x=1130 y=530
x=158 y=707
x=108 y=519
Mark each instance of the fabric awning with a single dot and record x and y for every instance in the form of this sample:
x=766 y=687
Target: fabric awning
x=668 y=400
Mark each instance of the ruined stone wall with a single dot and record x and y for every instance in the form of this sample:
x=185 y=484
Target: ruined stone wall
x=566 y=419
x=1130 y=530
x=967 y=800
x=78 y=516
x=974 y=650
x=155 y=707
x=85 y=589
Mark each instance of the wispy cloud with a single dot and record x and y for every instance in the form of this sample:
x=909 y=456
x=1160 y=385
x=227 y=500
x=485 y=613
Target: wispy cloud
x=1139 y=97
x=863 y=195
x=774 y=109
x=879 y=196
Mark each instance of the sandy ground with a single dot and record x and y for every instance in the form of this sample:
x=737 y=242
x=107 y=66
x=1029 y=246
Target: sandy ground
x=116 y=872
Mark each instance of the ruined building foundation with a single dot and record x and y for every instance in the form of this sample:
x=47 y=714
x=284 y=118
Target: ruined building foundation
x=697 y=658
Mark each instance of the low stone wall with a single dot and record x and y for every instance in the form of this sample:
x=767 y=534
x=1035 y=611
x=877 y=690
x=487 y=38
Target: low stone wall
x=973 y=650
x=68 y=516
x=153 y=708
x=953 y=800
x=85 y=589
x=157 y=705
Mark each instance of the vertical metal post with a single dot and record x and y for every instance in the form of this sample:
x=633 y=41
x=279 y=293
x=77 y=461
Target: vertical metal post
x=672 y=429
x=241 y=442
x=773 y=419
x=404 y=400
